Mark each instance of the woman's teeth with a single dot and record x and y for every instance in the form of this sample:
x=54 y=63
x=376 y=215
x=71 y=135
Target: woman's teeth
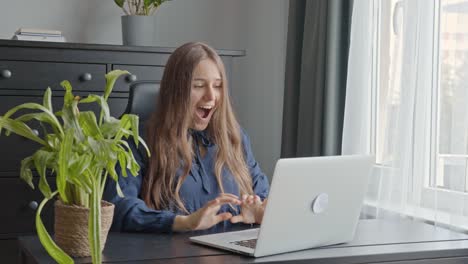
x=205 y=111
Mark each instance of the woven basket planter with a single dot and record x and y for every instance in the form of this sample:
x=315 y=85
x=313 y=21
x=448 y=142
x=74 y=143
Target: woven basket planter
x=71 y=227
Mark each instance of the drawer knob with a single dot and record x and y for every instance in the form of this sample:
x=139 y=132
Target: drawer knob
x=36 y=132
x=86 y=77
x=33 y=205
x=5 y=74
x=131 y=78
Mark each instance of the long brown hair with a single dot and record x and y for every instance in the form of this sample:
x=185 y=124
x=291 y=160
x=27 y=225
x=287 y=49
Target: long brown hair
x=169 y=139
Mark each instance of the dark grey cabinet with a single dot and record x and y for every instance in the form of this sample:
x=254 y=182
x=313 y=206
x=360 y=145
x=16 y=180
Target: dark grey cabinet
x=26 y=70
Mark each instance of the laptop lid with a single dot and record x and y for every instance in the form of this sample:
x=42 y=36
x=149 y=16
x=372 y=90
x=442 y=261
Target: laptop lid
x=313 y=201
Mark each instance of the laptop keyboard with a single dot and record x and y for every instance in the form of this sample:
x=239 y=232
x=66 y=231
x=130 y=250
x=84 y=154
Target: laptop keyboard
x=250 y=243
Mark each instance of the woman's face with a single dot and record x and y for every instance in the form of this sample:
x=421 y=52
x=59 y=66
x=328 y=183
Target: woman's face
x=207 y=86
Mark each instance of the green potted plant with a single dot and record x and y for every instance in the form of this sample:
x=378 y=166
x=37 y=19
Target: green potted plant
x=82 y=151
x=137 y=25
x=139 y=7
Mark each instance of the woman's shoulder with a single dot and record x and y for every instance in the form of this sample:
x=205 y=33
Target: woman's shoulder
x=244 y=136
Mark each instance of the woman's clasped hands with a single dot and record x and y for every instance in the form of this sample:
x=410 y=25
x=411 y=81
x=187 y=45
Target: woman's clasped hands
x=252 y=208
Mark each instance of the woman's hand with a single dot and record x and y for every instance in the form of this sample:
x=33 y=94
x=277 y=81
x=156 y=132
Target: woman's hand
x=207 y=216
x=252 y=209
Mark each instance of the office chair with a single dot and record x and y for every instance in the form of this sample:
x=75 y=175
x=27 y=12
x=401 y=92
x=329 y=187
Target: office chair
x=142 y=101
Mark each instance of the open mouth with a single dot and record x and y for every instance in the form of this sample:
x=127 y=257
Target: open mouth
x=204 y=111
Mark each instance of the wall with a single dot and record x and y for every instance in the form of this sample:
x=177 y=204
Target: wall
x=259 y=27
x=258 y=93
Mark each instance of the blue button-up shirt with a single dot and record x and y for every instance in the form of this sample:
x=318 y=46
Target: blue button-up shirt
x=200 y=186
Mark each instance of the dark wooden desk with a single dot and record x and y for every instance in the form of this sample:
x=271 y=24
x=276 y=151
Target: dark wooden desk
x=376 y=241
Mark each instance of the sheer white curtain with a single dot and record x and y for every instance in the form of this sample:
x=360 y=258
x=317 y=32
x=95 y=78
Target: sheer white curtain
x=358 y=104
x=392 y=109
x=356 y=127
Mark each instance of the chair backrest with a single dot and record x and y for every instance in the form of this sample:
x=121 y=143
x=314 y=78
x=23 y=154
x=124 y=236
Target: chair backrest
x=142 y=99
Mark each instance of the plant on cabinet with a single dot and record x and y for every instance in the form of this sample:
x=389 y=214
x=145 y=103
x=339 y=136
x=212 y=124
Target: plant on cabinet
x=138 y=23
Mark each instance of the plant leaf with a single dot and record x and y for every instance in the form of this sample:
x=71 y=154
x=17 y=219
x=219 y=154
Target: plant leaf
x=120 y=3
x=20 y=128
x=68 y=97
x=111 y=128
x=41 y=117
x=32 y=106
x=41 y=159
x=94 y=223
x=77 y=172
x=89 y=125
x=122 y=162
x=80 y=165
x=134 y=123
x=128 y=125
x=91 y=98
x=119 y=191
x=142 y=142
x=124 y=143
x=130 y=159
x=134 y=166
x=111 y=77
x=53 y=142
x=70 y=115
x=105 y=113
x=111 y=170
x=63 y=156
x=102 y=149
x=49 y=245
x=47 y=100
x=25 y=171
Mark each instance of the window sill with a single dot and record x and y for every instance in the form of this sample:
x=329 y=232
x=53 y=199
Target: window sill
x=427 y=215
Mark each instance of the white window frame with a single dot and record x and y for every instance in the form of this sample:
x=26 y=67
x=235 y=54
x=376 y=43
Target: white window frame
x=444 y=198
x=424 y=164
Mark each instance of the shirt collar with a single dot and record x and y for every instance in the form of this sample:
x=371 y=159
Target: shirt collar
x=202 y=137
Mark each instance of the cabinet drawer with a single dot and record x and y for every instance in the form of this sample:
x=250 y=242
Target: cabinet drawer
x=18 y=217
x=9 y=250
x=142 y=73
x=15 y=148
x=40 y=75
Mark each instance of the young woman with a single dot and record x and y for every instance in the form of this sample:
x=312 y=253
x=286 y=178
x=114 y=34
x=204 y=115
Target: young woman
x=202 y=171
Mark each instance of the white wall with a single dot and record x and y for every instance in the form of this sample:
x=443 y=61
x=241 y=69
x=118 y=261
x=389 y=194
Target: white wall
x=257 y=26
x=258 y=93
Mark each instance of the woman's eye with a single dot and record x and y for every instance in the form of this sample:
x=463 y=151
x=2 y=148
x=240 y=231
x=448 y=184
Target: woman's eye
x=198 y=86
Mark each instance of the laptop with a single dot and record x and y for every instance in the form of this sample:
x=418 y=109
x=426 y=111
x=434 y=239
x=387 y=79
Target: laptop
x=313 y=202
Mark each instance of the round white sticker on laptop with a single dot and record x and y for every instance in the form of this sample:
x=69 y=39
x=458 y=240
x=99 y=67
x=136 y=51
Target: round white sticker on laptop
x=320 y=203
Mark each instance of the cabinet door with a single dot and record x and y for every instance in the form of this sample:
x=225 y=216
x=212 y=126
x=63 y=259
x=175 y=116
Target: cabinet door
x=15 y=148
x=138 y=73
x=27 y=75
x=18 y=202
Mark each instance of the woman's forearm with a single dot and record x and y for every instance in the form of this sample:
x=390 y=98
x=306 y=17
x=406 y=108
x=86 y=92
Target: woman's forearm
x=181 y=223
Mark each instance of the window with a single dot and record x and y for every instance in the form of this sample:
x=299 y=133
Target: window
x=440 y=108
x=452 y=121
